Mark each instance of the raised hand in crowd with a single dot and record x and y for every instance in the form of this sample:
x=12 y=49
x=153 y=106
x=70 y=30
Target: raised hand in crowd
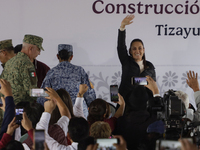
x=55 y=98
x=6 y=89
x=121 y=100
x=11 y=127
x=152 y=85
x=82 y=89
x=8 y=105
x=92 y=86
x=127 y=20
x=187 y=145
x=26 y=123
x=49 y=106
x=192 y=80
x=120 y=110
x=53 y=95
x=122 y=143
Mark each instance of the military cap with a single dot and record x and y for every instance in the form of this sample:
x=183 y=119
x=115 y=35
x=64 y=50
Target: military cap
x=66 y=47
x=33 y=39
x=6 y=44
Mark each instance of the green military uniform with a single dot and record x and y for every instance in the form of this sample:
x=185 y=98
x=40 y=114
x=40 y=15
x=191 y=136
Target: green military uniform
x=5 y=45
x=20 y=72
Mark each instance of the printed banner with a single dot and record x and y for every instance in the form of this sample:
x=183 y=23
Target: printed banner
x=169 y=29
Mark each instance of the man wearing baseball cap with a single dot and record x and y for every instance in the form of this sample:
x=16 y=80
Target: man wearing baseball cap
x=40 y=67
x=68 y=76
x=6 y=51
x=20 y=71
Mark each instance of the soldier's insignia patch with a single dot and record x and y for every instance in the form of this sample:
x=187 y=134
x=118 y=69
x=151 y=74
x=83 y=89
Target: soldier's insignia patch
x=33 y=74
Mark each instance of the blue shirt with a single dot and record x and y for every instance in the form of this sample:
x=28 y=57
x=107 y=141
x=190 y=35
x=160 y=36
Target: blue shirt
x=68 y=76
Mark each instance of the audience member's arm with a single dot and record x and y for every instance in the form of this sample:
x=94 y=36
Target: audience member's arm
x=78 y=106
x=120 y=110
x=90 y=94
x=64 y=111
x=10 y=105
x=122 y=143
x=49 y=106
x=53 y=95
x=152 y=86
x=27 y=124
x=7 y=137
x=192 y=82
x=52 y=144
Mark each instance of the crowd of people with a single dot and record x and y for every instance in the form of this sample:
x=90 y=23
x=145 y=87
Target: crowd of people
x=71 y=117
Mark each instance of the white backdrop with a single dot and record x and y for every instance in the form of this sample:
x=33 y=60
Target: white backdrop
x=94 y=35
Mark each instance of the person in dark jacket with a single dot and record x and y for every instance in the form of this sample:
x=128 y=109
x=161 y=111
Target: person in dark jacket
x=133 y=126
x=133 y=61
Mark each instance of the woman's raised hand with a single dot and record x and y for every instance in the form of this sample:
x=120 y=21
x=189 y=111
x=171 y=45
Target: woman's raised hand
x=127 y=20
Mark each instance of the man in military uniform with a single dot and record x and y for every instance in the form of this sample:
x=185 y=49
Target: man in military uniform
x=20 y=71
x=40 y=67
x=68 y=76
x=6 y=51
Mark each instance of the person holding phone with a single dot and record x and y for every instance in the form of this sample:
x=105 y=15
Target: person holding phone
x=133 y=61
x=8 y=105
x=119 y=146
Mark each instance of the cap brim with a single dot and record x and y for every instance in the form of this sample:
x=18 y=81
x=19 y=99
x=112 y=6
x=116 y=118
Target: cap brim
x=40 y=47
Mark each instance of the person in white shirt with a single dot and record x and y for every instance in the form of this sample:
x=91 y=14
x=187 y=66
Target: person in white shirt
x=77 y=128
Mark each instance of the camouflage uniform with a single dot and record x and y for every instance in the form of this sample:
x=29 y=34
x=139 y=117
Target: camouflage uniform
x=4 y=45
x=20 y=72
x=33 y=39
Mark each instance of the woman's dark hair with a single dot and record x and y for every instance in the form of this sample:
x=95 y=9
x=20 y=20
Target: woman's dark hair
x=98 y=111
x=14 y=145
x=82 y=144
x=143 y=57
x=64 y=55
x=64 y=95
x=78 y=129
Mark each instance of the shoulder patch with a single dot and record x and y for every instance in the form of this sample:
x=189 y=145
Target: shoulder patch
x=33 y=74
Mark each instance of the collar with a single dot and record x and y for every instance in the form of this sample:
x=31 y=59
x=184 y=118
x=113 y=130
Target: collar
x=3 y=65
x=140 y=62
